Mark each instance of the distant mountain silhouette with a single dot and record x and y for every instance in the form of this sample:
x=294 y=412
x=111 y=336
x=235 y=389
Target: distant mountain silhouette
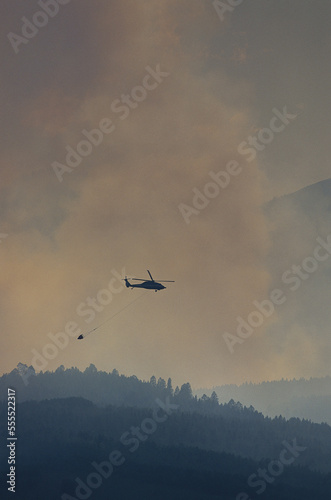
x=305 y=198
x=184 y=456
x=168 y=444
x=309 y=399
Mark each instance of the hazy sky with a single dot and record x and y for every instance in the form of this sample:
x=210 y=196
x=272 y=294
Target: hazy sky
x=180 y=88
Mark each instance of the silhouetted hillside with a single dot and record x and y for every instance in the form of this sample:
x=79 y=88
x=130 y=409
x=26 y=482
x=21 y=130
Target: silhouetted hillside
x=309 y=399
x=163 y=443
x=163 y=453
x=305 y=199
x=99 y=387
x=231 y=427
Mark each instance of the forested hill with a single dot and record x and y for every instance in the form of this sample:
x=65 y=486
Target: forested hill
x=232 y=429
x=165 y=455
x=100 y=387
x=172 y=445
x=229 y=427
x=309 y=399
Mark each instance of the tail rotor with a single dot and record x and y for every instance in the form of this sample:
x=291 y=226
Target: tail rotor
x=127 y=284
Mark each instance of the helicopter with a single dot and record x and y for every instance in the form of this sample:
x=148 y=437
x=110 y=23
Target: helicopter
x=148 y=284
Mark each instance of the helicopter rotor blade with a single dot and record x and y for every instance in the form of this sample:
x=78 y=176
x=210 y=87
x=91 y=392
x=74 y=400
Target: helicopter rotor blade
x=152 y=280
x=150 y=275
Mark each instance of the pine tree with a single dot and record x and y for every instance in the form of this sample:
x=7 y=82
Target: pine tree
x=161 y=384
x=169 y=387
x=214 y=398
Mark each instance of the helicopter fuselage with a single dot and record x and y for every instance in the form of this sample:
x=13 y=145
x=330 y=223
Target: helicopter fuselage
x=149 y=285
